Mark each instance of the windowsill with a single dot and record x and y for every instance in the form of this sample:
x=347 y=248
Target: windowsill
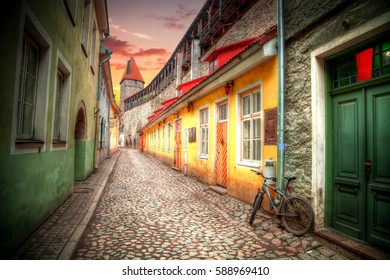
x=58 y=144
x=29 y=142
x=249 y=164
x=28 y=146
x=203 y=156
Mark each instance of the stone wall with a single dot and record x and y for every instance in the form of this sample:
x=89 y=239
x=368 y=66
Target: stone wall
x=133 y=120
x=308 y=25
x=256 y=21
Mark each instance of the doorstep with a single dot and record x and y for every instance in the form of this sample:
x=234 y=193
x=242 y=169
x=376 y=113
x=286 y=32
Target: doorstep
x=218 y=189
x=350 y=248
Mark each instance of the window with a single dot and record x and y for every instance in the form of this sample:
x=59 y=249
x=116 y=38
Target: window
x=103 y=127
x=169 y=137
x=28 y=89
x=204 y=132
x=71 y=7
x=213 y=66
x=85 y=27
x=222 y=112
x=93 y=50
x=61 y=102
x=251 y=125
x=154 y=140
x=59 y=93
x=366 y=63
x=159 y=138
x=163 y=138
x=29 y=121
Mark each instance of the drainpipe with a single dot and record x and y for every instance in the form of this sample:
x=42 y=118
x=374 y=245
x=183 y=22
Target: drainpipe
x=108 y=134
x=281 y=92
x=108 y=52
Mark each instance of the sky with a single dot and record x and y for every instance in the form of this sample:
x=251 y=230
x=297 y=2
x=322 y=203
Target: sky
x=148 y=30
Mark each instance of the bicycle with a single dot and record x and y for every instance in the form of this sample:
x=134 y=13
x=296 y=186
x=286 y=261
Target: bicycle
x=296 y=213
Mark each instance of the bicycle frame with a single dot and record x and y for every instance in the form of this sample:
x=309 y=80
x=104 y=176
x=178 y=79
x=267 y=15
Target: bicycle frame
x=282 y=194
x=300 y=219
x=275 y=204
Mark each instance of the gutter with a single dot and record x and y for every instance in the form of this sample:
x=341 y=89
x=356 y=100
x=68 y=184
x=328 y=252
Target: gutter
x=281 y=100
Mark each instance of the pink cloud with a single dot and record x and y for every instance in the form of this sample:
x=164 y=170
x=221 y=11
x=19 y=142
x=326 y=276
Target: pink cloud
x=178 y=21
x=119 y=47
x=152 y=52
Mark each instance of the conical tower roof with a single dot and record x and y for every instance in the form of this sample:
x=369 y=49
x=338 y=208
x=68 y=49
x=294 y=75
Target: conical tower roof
x=132 y=72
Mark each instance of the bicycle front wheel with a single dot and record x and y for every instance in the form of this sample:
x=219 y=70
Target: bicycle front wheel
x=256 y=206
x=297 y=215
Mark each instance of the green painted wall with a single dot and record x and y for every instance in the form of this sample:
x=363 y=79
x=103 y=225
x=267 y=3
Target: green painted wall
x=34 y=185
x=83 y=159
x=29 y=193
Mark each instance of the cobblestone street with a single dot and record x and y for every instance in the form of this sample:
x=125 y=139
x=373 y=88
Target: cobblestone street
x=150 y=211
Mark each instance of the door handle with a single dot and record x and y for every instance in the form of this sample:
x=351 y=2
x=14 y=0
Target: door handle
x=368 y=168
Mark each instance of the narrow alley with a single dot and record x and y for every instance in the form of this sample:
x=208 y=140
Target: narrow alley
x=150 y=211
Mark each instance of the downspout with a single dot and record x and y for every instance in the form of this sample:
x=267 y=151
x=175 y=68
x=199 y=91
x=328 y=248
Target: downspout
x=108 y=134
x=108 y=52
x=281 y=92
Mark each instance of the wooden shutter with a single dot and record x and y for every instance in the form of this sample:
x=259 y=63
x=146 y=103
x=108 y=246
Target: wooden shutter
x=270 y=126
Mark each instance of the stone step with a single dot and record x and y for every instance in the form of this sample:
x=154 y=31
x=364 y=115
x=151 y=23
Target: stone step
x=218 y=189
x=348 y=247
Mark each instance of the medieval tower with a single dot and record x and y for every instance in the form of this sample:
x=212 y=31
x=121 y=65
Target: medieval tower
x=131 y=83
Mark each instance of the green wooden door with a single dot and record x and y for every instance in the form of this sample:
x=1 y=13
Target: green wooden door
x=349 y=207
x=361 y=164
x=378 y=152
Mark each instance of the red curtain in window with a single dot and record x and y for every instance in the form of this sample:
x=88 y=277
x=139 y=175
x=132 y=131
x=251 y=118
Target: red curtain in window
x=364 y=64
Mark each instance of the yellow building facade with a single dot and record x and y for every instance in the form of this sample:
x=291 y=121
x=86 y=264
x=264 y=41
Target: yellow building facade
x=217 y=134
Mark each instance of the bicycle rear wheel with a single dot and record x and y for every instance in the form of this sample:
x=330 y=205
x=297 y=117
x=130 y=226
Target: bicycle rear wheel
x=297 y=215
x=256 y=206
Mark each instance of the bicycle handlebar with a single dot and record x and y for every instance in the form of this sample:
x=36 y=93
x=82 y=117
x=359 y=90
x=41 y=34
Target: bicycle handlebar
x=288 y=178
x=262 y=175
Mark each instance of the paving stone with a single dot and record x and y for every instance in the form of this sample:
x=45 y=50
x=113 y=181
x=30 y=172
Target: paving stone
x=162 y=214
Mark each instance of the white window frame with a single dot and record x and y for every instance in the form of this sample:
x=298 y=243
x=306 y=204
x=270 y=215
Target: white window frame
x=30 y=24
x=169 y=136
x=66 y=70
x=249 y=90
x=203 y=127
x=159 y=138
x=102 y=133
x=86 y=26
x=71 y=8
x=163 y=138
x=92 y=61
x=213 y=65
x=155 y=139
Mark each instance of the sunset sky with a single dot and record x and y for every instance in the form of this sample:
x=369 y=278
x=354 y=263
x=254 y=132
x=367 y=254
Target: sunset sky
x=149 y=30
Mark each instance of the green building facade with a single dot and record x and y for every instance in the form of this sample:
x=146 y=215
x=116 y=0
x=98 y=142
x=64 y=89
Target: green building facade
x=48 y=86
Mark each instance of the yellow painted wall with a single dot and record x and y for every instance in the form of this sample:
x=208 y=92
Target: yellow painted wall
x=151 y=146
x=241 y=183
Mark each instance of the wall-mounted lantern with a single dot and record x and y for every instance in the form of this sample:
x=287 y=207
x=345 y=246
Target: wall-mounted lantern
x=228 y=87
x=189 y=106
